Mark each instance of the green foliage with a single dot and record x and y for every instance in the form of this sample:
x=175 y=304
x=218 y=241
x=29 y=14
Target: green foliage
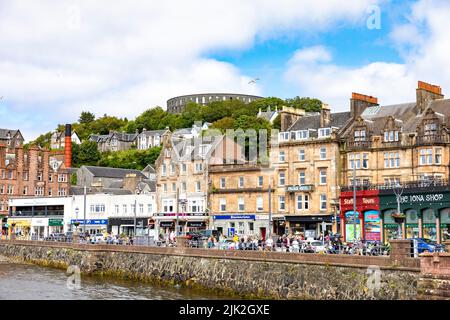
x=223 y=124
x=86 y=117
x=42 y=141
x=308 y=104
x=130 y=159
x=85 y=154
x=73 y=179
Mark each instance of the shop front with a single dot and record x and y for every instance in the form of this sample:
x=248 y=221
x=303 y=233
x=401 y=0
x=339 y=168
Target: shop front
x=426 y=213
x=364 y=223
x=309 y=226
x=39 y=228
x=55 y=225
x=241 y=224
x=92 y=226
x=183 y=223
x=125 y=225
x=20 y=228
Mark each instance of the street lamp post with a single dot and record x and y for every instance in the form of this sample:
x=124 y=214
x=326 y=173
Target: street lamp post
x=84 y=211
x=354 y=201
x=269 y=231
x=76 y=219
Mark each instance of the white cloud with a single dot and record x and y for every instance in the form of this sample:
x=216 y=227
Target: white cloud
x=423 y=42
x=58 y=58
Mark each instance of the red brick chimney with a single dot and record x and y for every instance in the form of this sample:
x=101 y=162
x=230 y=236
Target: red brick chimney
x=68 y=146
x=359 y=103
x=425 y=93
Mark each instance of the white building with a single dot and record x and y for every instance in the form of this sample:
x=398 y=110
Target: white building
x=36 y=218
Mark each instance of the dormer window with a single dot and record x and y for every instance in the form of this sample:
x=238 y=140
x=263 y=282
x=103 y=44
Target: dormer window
x=302 y=134
x=283 y=136
x=203 y=149
x=391 y=136
x=360 y=135
x=324 y=132
x=430 y=129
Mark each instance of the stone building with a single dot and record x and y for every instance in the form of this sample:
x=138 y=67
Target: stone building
x=32 y=172
x=177 y=104
x=183 y=179
x=239 y=199
x=150 y=138
x=306 y=186
x=115 y=141
x=105 y=177
x=57 y=140
x=397 y=148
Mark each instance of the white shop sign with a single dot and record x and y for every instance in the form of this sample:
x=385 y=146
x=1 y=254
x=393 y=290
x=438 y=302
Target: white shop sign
x=39 y=222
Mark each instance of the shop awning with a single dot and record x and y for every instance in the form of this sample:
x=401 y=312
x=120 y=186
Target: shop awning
x=309 y=219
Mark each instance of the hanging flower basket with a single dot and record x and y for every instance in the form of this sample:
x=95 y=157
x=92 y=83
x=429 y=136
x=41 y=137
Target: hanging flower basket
x=399 y=217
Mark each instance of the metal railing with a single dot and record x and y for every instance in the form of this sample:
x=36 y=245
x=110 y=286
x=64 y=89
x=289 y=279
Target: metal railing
x=358 y=145
x=405 y=185
x=431 y=139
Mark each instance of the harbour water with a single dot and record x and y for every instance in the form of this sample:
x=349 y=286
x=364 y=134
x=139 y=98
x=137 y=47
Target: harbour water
x=20 y=281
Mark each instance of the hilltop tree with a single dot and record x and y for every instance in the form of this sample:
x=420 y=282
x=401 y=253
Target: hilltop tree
x=307 y=104
x=86 y=117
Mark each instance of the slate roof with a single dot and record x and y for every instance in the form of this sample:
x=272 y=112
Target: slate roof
x=77 y=190
x=406 y=115
x=181 y=146
x=312 y=121
x=267 y=115
x=4 y=133
x=149 y=133
x=122 y=136
x=107 y=172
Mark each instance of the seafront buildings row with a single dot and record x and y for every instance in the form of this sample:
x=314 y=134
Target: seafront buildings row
x=391 y=159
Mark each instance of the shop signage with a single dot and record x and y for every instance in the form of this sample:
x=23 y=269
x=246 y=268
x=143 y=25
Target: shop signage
x=435 y=197
x=364 y=201
x=39 y=222
x=235 y=217
x=304 y=188
x=196 y=224
x=372 y=225
x=166 y=224
x=55 y=222
x=90 y=221
x=193 y=214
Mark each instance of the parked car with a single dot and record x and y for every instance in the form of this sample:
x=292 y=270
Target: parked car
x=98 y=238
x=317 y=246
x=427 y=245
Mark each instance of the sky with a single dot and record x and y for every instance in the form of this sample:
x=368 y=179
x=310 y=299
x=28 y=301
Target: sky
x=121 y=58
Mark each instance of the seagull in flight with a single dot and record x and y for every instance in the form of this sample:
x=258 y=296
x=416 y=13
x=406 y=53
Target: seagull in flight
x=253 y=81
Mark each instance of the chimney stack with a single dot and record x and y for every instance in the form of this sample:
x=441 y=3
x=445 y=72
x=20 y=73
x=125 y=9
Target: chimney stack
x=360 y=102
x=68 y=146
x=425 y=93
x=325 y=116
x=289 y=116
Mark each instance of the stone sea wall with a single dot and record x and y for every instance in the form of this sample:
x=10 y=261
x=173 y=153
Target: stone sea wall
x=244 y=278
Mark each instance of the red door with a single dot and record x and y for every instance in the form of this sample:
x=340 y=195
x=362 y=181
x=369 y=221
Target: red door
x=263 y=233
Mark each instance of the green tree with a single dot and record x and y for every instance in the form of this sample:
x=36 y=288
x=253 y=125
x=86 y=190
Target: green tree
x=223 y=124
x=85 y=154
x=86 y=117
x=307 y=104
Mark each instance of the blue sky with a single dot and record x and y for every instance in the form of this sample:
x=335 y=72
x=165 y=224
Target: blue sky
x=121 y=59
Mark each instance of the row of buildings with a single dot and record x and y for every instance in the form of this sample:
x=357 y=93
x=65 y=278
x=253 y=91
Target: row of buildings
x=387 y=158
x=318 y=164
